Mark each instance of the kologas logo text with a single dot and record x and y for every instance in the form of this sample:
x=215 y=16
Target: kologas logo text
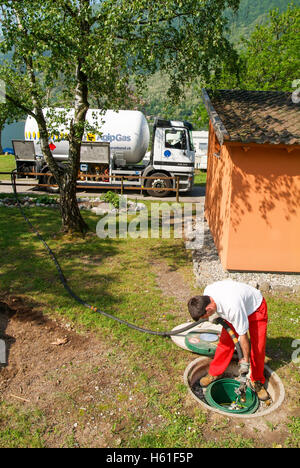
x=117 y=137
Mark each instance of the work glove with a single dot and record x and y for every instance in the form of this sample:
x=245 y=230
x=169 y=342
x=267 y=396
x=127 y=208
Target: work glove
x=244 y=368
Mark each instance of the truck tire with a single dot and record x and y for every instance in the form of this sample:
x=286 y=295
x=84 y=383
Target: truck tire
x=158 y=182
x=51 y=181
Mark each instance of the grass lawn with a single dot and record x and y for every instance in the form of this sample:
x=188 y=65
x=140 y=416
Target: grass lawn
x=200 y=177
x=146 y=404
x=7 y=164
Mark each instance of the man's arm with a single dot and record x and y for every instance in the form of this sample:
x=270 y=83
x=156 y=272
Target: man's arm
x=245 y=345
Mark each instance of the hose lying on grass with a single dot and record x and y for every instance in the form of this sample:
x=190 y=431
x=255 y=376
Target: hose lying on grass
x=74 y=295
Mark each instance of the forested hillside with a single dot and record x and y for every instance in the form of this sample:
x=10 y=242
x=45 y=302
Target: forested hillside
x=242 y=26
x=251 y=13
x=154 y=100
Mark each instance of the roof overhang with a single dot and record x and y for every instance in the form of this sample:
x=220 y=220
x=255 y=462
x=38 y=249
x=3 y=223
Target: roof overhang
x=217 y=123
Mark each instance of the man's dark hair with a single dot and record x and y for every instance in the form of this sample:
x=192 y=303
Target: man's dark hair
x=197 y=306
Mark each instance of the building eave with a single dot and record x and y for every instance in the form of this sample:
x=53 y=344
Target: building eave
x=217 y=123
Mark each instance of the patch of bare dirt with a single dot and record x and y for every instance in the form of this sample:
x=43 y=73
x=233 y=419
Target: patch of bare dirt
x=171 y=282
x=85 y=387
x=79 y=382
x=62 y=373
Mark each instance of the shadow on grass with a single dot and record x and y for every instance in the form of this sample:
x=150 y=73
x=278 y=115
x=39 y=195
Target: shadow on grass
x=280 y=350
x=178 y=257
x=107 y=273
x=26 y=268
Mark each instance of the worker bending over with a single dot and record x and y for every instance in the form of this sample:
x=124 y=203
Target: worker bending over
x=244 y=309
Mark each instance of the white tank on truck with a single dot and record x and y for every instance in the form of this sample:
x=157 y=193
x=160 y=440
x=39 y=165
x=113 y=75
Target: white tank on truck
x=114 y=155
x=127 y=132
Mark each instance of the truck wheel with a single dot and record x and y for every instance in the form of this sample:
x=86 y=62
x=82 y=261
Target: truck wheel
x=158 y=183
x=50 y=180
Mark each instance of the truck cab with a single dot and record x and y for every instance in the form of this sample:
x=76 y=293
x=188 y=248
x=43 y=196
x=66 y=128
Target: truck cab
x=172 y=155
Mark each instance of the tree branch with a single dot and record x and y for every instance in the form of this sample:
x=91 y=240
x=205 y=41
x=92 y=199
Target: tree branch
x=66 y=5
x=18 y=104
x=146 y=22
x=171 y=18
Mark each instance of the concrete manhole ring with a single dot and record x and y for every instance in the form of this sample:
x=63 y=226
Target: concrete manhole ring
x=199 y=367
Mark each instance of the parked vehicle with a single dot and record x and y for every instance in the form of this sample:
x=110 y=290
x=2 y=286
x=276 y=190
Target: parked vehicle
x=119 y=148
x=200 y=141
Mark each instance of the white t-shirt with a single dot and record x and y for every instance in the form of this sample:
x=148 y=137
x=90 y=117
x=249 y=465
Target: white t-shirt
x=235 y=302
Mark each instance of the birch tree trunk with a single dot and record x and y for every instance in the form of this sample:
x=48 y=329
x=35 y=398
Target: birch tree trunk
x=72 y=220
x=66 y=177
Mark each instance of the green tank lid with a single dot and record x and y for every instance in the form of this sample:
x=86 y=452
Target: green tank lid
x=221 y=394
x=202 y=342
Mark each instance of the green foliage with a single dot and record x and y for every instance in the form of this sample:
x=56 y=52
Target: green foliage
x=250 y=14
x=116 y=45
x=188 y=107
x=247 y=67
x=117 y=66
x=271 y=60
x=111 y=42
x=46 y=200
x=96 y=49
x=111 y=197
x=9 y=112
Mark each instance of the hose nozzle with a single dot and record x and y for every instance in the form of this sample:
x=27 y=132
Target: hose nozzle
x=241 y=392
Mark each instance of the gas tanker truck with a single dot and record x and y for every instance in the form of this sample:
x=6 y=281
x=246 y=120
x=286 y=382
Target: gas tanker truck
x=118 y=148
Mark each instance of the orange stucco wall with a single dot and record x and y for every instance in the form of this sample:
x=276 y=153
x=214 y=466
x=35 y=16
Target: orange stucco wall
x=218 y=190
x=253 y=206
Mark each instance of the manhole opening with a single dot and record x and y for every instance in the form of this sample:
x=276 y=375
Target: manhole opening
x=199 y=368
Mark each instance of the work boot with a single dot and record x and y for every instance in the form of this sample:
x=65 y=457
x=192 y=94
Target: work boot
x=260 y=390
x=208 y=379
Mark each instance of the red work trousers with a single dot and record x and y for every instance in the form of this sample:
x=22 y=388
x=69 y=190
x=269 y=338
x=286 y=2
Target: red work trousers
x=258 y=332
